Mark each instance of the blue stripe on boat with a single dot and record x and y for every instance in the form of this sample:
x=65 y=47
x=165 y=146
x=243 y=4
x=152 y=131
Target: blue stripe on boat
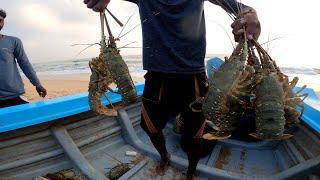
x=311 y=114
x=25 y=115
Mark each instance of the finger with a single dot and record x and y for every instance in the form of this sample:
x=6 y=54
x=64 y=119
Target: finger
x=237 y=38
x=44 y=93
x=238 y=24
x=238 y=32
x=92 y=3
x=86 y=1
x=234 y=24
x=100 y=6
x=253 y=30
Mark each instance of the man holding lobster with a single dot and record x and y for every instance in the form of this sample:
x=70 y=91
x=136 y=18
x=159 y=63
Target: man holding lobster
x=174 y=47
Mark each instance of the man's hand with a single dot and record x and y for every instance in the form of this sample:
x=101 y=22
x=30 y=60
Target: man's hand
x=97 y=5
x=41 y=91
x=248 y=19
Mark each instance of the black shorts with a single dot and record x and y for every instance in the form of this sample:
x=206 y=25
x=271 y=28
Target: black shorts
x=167 y=95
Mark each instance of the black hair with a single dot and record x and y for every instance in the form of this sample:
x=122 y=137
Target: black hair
x=3 y=13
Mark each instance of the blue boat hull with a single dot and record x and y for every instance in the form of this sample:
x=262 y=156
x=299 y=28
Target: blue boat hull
x=35 y=149
x=54 y=135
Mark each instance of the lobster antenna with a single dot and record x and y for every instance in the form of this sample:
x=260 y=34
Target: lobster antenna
x=233 y=45
x=124 y=26
x=250 y=60
x=256 y=43
x=108 y=28
x=129 y=47
x=272 y=40
x=238 y=7
x=115 y=18
x=90 y=45
x=84 y=44
x=102 y=24
x=232 y=16
x=268 y=44
x=268 y=61
x=144 y=21
x=128 y=44
x=125 y=46
x=131 y=29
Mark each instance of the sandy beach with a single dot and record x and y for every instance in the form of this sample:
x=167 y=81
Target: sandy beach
x=62 y=85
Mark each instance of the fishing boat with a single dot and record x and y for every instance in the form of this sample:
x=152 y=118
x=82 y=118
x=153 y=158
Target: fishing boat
x=63 y=135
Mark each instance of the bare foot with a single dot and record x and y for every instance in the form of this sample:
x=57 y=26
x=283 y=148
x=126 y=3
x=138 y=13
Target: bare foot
x=163 y=165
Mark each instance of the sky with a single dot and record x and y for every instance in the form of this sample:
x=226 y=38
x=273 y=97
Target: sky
x=48 y=28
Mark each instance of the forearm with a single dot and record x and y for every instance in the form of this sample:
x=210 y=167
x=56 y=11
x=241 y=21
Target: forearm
x=30 y=73
x=25 y=65
x=231 y=6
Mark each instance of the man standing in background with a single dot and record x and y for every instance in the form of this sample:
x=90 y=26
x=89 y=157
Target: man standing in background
x=11 y=85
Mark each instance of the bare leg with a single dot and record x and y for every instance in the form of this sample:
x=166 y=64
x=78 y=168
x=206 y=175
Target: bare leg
x=159 y=143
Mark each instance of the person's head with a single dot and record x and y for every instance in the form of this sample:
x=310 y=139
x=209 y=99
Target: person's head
x=3 y=15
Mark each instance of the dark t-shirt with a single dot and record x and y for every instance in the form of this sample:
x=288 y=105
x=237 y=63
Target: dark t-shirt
x=173 y=35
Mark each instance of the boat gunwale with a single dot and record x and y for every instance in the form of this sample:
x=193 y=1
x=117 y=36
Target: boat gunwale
x=26 y=115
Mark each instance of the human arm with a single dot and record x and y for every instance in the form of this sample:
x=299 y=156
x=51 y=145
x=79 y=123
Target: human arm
x=27 y=68
x=231 y=6
x=246 y=17
x=100 y=5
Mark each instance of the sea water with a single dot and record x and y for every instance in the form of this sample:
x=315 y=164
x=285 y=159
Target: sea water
x=307 y=76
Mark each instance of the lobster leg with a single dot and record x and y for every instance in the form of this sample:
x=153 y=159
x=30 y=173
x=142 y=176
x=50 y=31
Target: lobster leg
x=243 y=94
x=238 y=100
x=301 y=89
x=295 y=100
x=244 y=76
x=292 y=111
x=283 y=137
x=290 y=108
x=305 y=95
x=245 y=84
x=292 y=84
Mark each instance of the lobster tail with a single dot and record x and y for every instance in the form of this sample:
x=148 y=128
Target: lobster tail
x=270 y=119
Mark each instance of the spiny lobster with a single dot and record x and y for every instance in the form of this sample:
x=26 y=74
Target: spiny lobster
x=107 y=68
x=228 y=93
x=275 y=104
